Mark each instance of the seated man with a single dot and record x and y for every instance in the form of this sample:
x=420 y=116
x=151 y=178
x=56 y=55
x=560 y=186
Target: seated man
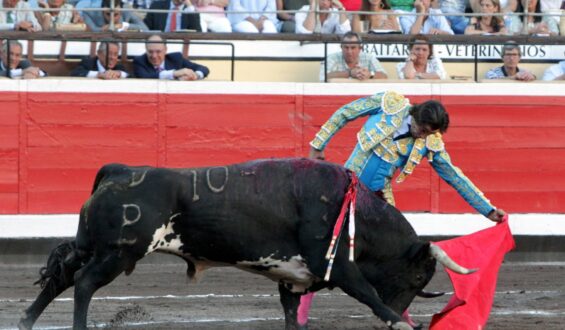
x=183 y=16
x=157 y=64
x=99 y=21
x=18 y=68
x=18 y=16
x=509 y=70
x=351 y=62
x=103 y=66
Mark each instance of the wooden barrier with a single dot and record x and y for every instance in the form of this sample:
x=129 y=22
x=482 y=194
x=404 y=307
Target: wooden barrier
x=55 y=133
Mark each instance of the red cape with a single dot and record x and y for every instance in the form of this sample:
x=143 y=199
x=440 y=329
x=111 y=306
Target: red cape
x=471 y=303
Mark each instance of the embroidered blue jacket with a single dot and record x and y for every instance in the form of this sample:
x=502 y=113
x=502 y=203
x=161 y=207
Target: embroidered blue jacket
x=377 y=155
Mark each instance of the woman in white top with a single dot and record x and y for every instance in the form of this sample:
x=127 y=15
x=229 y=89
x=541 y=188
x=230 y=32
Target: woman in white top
x=421 y=63
x=308 y=20
x=536 y=25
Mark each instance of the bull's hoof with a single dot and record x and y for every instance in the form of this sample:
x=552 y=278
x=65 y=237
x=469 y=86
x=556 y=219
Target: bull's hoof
x=302 y=327
x=401 y=326
x=24 y=325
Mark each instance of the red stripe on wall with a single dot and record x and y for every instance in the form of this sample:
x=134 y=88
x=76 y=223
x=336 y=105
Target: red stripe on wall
x=51 y=144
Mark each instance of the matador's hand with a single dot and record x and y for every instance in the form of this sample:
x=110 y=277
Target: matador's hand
x=497 y=215
x=317 y=154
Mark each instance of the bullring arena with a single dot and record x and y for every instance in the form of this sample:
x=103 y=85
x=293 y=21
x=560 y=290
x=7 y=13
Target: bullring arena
x=55 y=133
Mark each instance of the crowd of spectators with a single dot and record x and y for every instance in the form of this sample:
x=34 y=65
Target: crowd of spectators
x=155 y=63
x=421 y=63
x=348 y=18
x=507 y=17
x=349 y=63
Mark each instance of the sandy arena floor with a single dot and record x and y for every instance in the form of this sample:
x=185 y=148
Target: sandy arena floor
x=158 y=296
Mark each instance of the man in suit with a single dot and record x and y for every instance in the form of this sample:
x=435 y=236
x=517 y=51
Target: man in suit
x=183 y=16
x=18 y=68
x=157 y=64
x=18 y=16
x=103 y=66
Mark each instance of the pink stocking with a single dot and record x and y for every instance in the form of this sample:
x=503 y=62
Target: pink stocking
x=304 y=308
x=406 y=316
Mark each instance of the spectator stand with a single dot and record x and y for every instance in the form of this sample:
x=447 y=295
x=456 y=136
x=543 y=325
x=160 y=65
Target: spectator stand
x=73 y=46
x=476 y=42
x=273 y=57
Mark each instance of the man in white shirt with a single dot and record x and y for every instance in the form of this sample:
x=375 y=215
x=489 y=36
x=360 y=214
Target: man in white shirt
x=157 y=64
x=103 y=66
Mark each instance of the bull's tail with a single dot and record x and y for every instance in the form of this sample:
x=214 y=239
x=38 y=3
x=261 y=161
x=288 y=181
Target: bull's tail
x=55 y=277
x=62 y=259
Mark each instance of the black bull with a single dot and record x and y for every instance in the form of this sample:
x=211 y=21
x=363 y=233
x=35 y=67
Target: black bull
x=271 y=217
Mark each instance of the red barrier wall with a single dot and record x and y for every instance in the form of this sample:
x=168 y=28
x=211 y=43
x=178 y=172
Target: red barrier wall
x=52 y=143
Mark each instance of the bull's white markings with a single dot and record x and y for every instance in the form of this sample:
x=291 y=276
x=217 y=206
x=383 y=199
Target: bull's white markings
x=158 y=243
x=137 y=179
x=125 y=208
x=223 y=186
x=195 y=195
x=293 y=271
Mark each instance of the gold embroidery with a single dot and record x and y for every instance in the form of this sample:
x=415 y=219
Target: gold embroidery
x=386 y=150
x=353 y=109
x=413 y=160
x=387 y=192
x=396 y=121
x=359 y=161
x=402 y=146
x=434 y=142
x=393 y=102
x=369 y=139
x=363 y=139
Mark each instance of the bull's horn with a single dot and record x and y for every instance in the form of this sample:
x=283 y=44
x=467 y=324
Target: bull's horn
x=446 y=261
x=428 y=294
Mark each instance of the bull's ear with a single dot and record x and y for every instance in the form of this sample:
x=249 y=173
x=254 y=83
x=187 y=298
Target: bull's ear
x=419 y=251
